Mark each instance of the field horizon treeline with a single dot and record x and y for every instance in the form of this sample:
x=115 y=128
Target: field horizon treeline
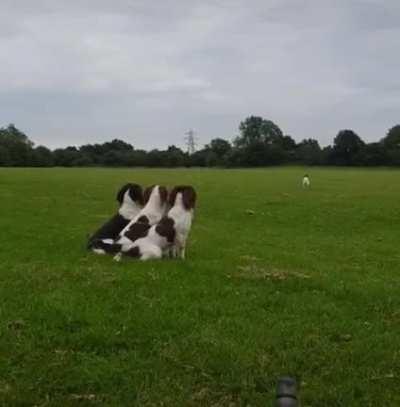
x=260 y=143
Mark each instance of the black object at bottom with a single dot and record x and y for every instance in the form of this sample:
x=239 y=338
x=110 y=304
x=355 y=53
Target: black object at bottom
x=286 y=393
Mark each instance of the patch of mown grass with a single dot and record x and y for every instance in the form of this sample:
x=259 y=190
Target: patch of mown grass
x=278 y=280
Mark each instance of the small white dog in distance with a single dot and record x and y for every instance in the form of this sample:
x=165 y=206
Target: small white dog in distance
x=306 y=181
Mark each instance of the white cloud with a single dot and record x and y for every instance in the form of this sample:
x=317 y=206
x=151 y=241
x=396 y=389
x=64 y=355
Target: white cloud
x=147 y=71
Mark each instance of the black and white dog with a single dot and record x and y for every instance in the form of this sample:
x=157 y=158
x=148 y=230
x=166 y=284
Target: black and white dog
x=169 y=235
x=149 y=242
x=131 y=200
x=156 y=198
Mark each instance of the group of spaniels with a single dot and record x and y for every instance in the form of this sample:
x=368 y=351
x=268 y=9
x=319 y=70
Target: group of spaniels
x=150 y=223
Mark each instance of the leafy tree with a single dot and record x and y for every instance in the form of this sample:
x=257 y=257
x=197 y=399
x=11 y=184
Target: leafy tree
x=82 y=160
x=262 y=143
x=213 y=154
x=287 y=143
x=391 y=144
x=199 y=158
x=13 y=134
x=327 y=156
x=373 y=154
x=392 y=139
x=4 y=157
x=155 y=158
x=66 y=157
x=111 y=158
x=255 y=129
x=16 y=147
x=138 y=158
x=42 y=157
x=309 y=152
x=93 y=152
x=236 y=158
x=175 y=157
x=219 y=147
x=117 y=145
x=347 y=146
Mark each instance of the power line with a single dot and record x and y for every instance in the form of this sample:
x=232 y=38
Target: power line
x=190 y=141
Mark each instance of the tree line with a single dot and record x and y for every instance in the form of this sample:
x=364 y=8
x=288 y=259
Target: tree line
x=260 y=143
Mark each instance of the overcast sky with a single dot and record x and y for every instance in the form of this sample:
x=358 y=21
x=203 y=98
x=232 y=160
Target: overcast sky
x=81 y=71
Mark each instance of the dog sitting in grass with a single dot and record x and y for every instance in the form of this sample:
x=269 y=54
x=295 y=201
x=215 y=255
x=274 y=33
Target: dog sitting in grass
x=156 y=198
x=169 y=235
x=131 y=200
x=182 y=200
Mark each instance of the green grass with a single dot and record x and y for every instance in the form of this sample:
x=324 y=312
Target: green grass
x=307 y=286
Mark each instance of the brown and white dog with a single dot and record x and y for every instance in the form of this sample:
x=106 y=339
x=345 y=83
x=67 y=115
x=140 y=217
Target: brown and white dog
x=149 y=242
x=169 y=235
x=182 y=200
x=130 y=198
x=156 y=198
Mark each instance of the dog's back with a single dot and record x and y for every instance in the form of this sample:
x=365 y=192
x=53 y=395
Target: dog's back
x=110 y=230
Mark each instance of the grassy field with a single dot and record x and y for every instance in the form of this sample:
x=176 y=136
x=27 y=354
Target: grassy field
x=308 y=285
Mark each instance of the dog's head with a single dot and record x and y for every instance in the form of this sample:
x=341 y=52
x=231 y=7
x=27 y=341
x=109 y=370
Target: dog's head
x=151 y=192
x=131 y=192
x=189 y=196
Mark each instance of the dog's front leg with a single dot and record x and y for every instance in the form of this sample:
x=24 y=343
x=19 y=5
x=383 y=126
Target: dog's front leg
x=182 y=250
x=170 y=252
x=173 y=251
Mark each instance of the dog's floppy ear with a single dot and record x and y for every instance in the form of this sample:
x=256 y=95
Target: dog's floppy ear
x=121 y=193
x=172 y=196
x=147 y=193
x=163 y=194
x=189 y=197
x=136 y=193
